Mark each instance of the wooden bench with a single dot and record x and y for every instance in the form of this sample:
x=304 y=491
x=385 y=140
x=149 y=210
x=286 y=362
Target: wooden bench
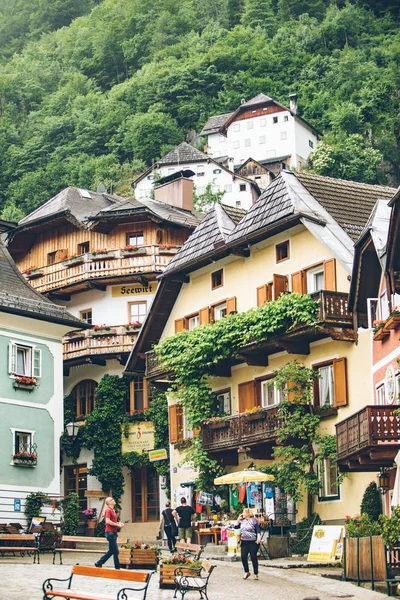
x=192 y=550
x=131 y=576
x=17 y=542
x=188 y=579
x=82 y=539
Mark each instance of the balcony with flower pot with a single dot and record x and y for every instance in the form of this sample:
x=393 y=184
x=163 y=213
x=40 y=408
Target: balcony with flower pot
x=21 y=382
x=393 y=320
x=380 y=331
x=32 y=272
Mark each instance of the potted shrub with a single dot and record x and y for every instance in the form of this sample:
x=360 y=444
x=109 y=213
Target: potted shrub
x=393 y=321
x=91 y=523
x=380 y=333
x=131 y=250
x=363 y=538
x=168 y=566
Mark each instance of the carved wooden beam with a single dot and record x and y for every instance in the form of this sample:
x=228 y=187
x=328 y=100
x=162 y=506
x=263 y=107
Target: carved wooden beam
x=92 y=285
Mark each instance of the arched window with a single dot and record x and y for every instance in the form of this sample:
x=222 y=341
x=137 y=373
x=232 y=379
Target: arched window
x=85 y=396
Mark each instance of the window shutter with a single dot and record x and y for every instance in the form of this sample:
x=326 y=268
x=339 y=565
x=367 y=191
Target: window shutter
x=247 y=398
x=261 y=295
x=280 y=285
x=330 y=275
x=204 y=316
x=298 y=282
x=291 y=396
x=231 y=305
x=340 y=382
x=61 y=255
x=12 y=358
x=180 y=325
x=37 y=363
x=173 y=424
x=317 y=400
x=179 y=422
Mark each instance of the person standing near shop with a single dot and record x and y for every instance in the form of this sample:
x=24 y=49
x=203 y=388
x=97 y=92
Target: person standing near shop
x=184 y=515
x=250 y=538
x=112 y=527
x=170 y=528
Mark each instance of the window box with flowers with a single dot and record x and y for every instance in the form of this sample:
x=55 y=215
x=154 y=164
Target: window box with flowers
x=24 y=459
x=25 y=383
x=393 y=321
x=216 y=423
x=133 y=327
x=133 y=251
x=168 y=249
x=103 y=330
x=101 y=254
x=74 y=261
x=254 y=414
x=32 y=272
x=380 y=333
x=74 y=335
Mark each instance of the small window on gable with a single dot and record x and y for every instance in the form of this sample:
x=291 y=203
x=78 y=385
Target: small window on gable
x=223 y=399
x=135 y=239
x=86 y=315
x=380 y=395
x=228 y=187
x=286 y=118
x=242 y=187
x=84 y=248
x=250 y=124
x=200 y=170
x=24 y=360
x=238 y=204
x=217 y=171
x=217 y=279
x=51 y=258
x=315 y=279
x=274 y=120
x=247 y=142
x=328 y=473
x=236 y=145
x=311 y=143
x=262 y=139
x=263 y=122
x=282 y=251
x=150 y=177
x=283 y=135
x=236 y=127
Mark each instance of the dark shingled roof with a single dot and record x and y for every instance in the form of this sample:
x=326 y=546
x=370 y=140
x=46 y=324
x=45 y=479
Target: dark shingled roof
x=21 y=299
x=215 y=123
x=273 y=204
x=182 y=154
x=350 y=203
x=259 y=99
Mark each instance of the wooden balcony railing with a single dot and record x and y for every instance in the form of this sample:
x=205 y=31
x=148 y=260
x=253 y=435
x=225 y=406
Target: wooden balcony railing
x=369 y=437
x=333 y=307
x=154 y=366
x=79 y=346
x=86 y=267
x=241 y=430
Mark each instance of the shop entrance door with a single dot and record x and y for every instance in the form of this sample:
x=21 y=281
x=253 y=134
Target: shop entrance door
x=145 y=495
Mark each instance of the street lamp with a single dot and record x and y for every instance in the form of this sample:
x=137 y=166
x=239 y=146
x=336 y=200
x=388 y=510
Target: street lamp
x=383 y=479
x=72 y=429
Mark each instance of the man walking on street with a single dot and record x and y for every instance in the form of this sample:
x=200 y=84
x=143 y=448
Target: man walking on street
x=184 y=514
x=112 y=526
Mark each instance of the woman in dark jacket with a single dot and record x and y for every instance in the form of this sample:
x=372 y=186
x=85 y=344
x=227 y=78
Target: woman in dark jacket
x=250 y=538
x=170 y=528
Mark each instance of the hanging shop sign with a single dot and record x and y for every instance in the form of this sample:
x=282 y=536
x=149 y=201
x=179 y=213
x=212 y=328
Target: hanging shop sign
x=140 y=437
x=160 y=454
x=326 y=543
x=134 y=289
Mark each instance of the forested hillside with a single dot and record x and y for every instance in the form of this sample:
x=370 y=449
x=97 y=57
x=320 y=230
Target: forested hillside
x=92 y=91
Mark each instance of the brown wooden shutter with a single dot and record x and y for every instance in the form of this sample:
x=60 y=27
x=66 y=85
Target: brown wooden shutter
x=173 y=424
x=145 y=394
x=340 y=381
x=261 y=295
x=61 y=255
x=180 y=325
x=204 y=316
x=280 y=285
x=330 y=275
x=270 y=289
x=291 y=396
x=179 y=421
x=298 y=282
x=231 y=305
x=316 y=395
x=247 y=398
x=196 y=431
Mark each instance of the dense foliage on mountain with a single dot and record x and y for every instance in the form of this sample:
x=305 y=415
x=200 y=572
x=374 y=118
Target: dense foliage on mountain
x=90 y=91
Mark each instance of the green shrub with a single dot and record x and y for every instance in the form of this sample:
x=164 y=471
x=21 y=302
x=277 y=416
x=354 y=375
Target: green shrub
x=300 y=543
x=371 y=504
x=391 y=528
x=361 y=526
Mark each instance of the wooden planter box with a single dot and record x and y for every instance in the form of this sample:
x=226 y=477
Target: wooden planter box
x=130 y=330
x=24 y=386
x=358 y=558
x=144 y=558
x=380 y=335
x=167 y=575
x=101 y=256
x=74 y=336
x=393 y=322
x=99 y=332
x=34 y=274
x=138 y=252
x=255 y=416
x=168 y=251
x=218 y=425
x=124 y=556
x=73 y=262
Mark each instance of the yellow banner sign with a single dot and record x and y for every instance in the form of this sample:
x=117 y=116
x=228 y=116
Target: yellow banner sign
x=134 y=289
x=326 y=543
x=140 y=437
x=160 y=454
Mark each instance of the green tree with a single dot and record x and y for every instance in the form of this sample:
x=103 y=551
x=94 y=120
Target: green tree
x=259 y=13
x=371 y=504
x=203 y=202
x=148 y=135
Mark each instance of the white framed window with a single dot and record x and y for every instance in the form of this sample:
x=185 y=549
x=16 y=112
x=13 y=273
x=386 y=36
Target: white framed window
x=22 y=440
x=200 y=170
x=236 y=127
x=224 y=402
x=217 y=171
x=315 y=279
x=380 y=395
x=24 y=360
x=137 y=312
x=263 y=122
x=236 y=144
x=135 y=239
x=383 y=306
x=219 y=311
x=250 y=124
x=215 y=188
x=271 y=395
x=283 y=135
x=326 y=386
x=247 y=142
x=200 y=189
x=150 y=177
x=372 y=311
x=261 y=139
x=228 y=187
x=193 y=322
x=328 y=473
x=286 y=118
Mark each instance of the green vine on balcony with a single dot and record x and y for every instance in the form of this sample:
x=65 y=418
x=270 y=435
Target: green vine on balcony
x=192 y=356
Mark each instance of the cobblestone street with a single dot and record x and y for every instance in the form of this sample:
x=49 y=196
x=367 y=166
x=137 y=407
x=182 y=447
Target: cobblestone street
x=22 y=580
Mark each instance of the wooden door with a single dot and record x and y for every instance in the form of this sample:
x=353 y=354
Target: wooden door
x=145 y=495
x=75 y=480
x=247 y=397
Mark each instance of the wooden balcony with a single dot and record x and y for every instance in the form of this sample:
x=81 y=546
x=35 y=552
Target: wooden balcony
x=155 y=370
x=369 y=439
x=98 y=346
x=86 y=270
x=254 y=433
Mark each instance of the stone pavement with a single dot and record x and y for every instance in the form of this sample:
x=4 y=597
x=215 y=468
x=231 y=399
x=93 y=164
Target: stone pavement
x=22 y=580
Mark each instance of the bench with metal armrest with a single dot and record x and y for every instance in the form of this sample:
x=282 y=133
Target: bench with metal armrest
x=190 y=579
x=68 y=539
x=123 y=594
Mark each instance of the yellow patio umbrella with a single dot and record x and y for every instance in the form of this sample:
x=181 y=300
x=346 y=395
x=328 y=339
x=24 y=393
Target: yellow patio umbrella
x=243 y=477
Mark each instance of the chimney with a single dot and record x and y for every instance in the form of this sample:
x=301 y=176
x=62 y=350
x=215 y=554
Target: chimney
x=178 y=192
x=293 y=103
